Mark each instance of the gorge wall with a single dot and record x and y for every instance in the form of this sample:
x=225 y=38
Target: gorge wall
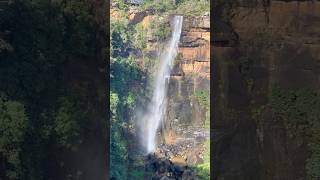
x=191 y=72
x=258 y=45
x=187 y=116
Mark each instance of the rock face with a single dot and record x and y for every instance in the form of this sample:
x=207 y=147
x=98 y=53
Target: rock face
x=260 y=45
x=191 y=71
x=136 y=16
x=183 y=126
x=164 y=169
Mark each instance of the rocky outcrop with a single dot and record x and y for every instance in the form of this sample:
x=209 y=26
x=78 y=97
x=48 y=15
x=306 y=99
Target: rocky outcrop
x=164 y=169
x=136 y=16
x=275 y=43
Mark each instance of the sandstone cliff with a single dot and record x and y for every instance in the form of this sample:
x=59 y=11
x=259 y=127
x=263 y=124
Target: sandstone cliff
x=262 y=44
x=192 y=68
x=187 y=117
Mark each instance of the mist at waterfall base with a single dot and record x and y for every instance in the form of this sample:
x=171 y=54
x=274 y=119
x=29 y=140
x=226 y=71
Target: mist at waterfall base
x=150 y=118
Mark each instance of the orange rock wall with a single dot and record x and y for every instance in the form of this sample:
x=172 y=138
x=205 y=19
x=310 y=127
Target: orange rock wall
x=195 y=55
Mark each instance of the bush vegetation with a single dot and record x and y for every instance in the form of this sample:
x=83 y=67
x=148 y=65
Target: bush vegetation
x=203 y=170
x=160 y=28
x=159 y=6
x=193 y=8
x=299 y=111
x=126 y=91
x=203 y=97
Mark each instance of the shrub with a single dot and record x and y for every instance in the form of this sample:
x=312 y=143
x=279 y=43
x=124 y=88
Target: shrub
x=160 y=28
x=193 y=7
x=202 y=171
x=299 y=111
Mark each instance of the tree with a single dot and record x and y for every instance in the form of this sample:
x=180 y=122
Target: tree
x=13 y=125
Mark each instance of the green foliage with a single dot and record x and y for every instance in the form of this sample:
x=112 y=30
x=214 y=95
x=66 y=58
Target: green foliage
x=137 y=174
x=139 y=38
x=38 y=39
x=125 y=88
x=123 y=99
x=159 y=6
x=121 y=4
x=185 y=7
x=114 y=100
x=130 y=101
x=77 y=16
x=119 y=37
x=313 y=163
x=203 y=97
x=160 y=28
x=13 y=126
x=207 y=151
x=202 y=171
x=124 y=36
x=299 y=111
x=123 y=75
x=118 y=151
x=67 y=122
x=193 y=7
x=297 y=108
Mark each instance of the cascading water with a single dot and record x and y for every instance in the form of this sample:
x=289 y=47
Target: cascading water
x=154 y=114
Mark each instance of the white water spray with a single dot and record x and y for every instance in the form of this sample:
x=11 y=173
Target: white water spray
x=154 y=115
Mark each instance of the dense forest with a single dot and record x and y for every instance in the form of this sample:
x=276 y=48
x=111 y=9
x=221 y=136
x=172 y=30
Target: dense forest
x=51 y=98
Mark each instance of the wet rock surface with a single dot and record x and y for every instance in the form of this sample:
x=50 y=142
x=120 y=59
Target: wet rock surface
x=187 y=148
x=175 y=160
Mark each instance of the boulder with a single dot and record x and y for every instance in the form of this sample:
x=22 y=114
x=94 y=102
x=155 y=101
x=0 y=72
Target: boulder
x=188 y=175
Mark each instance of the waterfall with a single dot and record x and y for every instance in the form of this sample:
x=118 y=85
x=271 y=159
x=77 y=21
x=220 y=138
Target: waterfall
x=157 y=107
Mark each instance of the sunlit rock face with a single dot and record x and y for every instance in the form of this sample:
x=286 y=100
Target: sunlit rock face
x=274 y=43
x=192 y=70
x=183 y=130
x=135 y=15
